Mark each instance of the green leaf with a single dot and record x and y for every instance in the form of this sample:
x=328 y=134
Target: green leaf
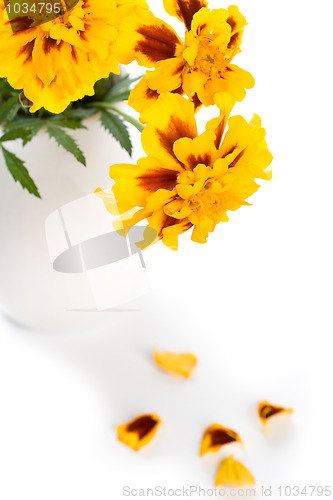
x=122 y=85
x=23 y=123
x=3 y=85
x=113 y=124
x=101 y=87
x=19 y=133
x=78 y=113
x=24 y=129
x=66 y=123
x=66 y=141
x=120 y=96
x=19 y=172
x=9 y=109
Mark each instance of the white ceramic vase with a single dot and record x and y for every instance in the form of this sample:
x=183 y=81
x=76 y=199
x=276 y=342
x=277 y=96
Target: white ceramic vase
x=62 y=266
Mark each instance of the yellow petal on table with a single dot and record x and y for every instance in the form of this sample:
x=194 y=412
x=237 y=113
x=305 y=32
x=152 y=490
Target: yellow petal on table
x=217 y=436
x=233 y=473
x=177 y=364
x=138 y=432
x=267 y=410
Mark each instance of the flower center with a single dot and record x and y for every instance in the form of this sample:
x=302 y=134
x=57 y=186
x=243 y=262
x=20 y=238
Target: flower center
x=210 y=203
x=210 y=60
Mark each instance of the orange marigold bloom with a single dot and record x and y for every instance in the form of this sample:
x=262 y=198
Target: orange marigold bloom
x=189 y=180
x=198 y=65
x=60 y=61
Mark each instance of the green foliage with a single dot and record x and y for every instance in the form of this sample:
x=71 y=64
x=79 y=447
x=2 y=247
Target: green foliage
x=19 y=172
x=66 y=141
x=113 y=124
x=16 y=122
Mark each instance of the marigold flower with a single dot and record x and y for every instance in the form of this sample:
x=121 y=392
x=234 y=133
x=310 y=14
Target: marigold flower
x=266 y=410
x=60 y=61
x=200 y=65
x=139 y=432
x=177 y=364
x=217 y=436
x=233 y=473
x=190 y=180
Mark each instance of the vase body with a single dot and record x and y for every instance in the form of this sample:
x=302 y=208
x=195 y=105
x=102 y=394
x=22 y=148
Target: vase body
x=56 y=272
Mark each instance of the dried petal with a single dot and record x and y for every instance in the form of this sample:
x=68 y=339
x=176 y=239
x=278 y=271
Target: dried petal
x=139 y=431
x=217 y=436
x=233 y=473
x=267 y=410
x=177 y=364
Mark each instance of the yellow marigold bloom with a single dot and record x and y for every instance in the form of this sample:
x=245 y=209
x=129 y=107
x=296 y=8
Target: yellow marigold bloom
x=266 y=410
x=217 y=436
x=233 y=473
x=139 y=432
x=198 y=65
x=177 y=364
x=189 y=180
x=60 y=61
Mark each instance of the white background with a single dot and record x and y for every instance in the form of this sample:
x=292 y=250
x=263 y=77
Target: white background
x=254 y=304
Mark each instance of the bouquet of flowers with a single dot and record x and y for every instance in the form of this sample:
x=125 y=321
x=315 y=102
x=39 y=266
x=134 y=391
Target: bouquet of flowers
x=61 y=66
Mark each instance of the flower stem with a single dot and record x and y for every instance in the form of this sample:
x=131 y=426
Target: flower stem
x=130 y=119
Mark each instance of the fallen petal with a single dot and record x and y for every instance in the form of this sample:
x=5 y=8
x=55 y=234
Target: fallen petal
x=139 y=432
x=177 y=364
x=267 y=410
x=217 y=436
x=233 y=473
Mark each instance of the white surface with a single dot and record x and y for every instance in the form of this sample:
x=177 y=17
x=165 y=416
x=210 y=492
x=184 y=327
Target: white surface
x=254 y=304
x=118 y=283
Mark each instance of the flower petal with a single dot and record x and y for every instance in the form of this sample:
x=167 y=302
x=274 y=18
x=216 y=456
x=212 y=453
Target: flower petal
x=172 y=231
x=167 y=75
x=207 y=21
x=134 y=183
x=171 y=118
x=109 y=201
x=142 y=96
x=237 y=22
x=177 y=364
x=217 y=436
x=233 y=473
x=266 y=410
x=237 y=80
x=225 y=102
x=146 y=39
x=200 y=150
x=249 y=138
x=184 y=10
x=139 y=432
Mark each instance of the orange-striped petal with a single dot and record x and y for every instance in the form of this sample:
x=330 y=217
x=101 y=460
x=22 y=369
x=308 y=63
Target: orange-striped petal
x=171 y=118
x=184 y=10
x=146 y=39
x=139 y=431
x=266 y=411
x=217 y=436
x=134 y=183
